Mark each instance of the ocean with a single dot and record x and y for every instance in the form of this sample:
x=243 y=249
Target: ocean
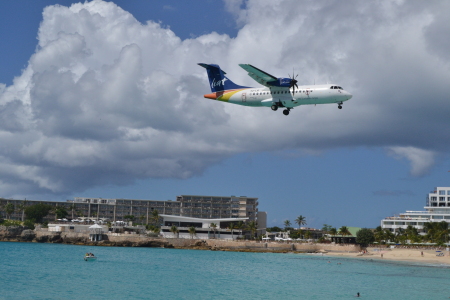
x=55 y=271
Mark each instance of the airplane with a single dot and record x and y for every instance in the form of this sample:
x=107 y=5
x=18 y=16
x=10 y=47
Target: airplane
x=276 y=93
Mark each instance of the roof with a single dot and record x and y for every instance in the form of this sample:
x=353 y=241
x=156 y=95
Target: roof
x=353 y=231
x=190 y=219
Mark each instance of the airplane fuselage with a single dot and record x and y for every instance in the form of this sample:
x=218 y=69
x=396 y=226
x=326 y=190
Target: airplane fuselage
x=266 y=97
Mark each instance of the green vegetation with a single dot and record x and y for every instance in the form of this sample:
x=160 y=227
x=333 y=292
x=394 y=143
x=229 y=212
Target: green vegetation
x=174 y=230
x=154 y=228
x=301 y=220
x=435 y=232
x=9 y=210
x=21 y=207
x=274 y=229
x=129 y=217
x=29 y=224
x=155 y=218
x=252 y=227
x=232 y=227
x=37 y=212
x=192 y=231
x=365 y=237
x=60 y=212
x=10 y=223
x=214 y=227
x=287 y=224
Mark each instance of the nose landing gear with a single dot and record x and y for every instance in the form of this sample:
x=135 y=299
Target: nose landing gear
x=340 y=105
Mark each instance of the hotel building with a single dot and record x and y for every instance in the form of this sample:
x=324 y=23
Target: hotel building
x=437 y=209
x=193 y=206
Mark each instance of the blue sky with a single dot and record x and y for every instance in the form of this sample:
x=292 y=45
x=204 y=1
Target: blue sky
x=379 y=156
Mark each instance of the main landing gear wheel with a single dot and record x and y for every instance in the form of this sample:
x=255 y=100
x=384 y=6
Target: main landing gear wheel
x=274 y=107
x=340 y=106
x=286 y=112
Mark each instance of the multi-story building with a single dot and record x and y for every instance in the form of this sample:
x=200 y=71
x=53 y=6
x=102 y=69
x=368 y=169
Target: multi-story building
x=205 y=207
x=437 y=209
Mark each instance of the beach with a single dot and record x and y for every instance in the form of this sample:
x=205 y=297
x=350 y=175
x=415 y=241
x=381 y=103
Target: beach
x=399 y=254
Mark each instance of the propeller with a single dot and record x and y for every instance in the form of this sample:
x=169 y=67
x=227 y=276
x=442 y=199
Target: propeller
x=293 y=81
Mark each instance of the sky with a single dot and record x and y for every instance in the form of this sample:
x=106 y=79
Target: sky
x=105 y=99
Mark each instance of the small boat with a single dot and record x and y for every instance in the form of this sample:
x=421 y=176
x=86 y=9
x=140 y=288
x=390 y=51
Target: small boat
x=90 y=258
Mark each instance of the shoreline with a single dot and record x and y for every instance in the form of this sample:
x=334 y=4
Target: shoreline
x=399 y=255
x=410 y=256
x=422 y=256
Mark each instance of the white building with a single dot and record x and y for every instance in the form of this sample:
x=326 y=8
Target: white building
x=437 y=209
x=203 y=228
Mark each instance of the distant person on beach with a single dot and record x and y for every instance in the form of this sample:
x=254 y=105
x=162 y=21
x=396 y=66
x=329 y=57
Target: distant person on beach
x=421 y=253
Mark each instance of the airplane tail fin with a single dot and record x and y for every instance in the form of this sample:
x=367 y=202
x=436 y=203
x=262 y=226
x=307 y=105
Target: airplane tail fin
x=217 y=79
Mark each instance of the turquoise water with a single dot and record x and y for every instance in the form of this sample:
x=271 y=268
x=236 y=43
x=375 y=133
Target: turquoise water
x=53 y=271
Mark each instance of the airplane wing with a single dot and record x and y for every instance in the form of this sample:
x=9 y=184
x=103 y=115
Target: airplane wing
x=258 y=75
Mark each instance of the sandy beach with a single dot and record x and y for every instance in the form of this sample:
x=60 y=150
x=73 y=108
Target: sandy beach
x=406 y=255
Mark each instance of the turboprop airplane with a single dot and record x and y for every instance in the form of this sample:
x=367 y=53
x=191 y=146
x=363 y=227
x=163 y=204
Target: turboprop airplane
x=276 y=93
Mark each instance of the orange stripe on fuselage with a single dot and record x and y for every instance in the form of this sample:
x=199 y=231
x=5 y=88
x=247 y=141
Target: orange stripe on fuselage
x=213 y=96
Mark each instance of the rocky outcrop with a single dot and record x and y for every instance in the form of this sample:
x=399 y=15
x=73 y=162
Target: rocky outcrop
x=28 y=235
x=12 y=233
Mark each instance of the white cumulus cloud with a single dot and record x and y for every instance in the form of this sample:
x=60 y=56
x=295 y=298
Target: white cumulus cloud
x=421 y=160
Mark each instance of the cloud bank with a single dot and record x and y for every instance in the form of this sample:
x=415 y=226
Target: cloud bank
x=106 y=99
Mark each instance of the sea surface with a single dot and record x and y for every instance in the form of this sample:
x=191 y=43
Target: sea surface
x=54 y=271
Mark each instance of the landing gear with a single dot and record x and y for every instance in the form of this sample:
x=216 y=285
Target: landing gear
x=340 y=105
x=274 y=107
x=286 y=112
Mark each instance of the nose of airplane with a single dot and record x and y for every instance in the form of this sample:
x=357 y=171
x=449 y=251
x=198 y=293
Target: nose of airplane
x=349 y=96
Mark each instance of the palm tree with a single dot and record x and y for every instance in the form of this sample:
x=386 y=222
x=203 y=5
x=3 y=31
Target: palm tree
x=22 y=207
x=155 y=217
x=154 y=228
x=213 y=226
x=9 y=210
x=301 y=220
x=436 y=232
x=192 y=231
x=388 y=235
x=379 y=234
x=287 y=224
x=308 y=234
x=174 y=230
x=240 y=226
x=232 y=227
x=343 y=231
x=253 y=227
x=72 y=208
x=333 y=231
x=326 y=228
